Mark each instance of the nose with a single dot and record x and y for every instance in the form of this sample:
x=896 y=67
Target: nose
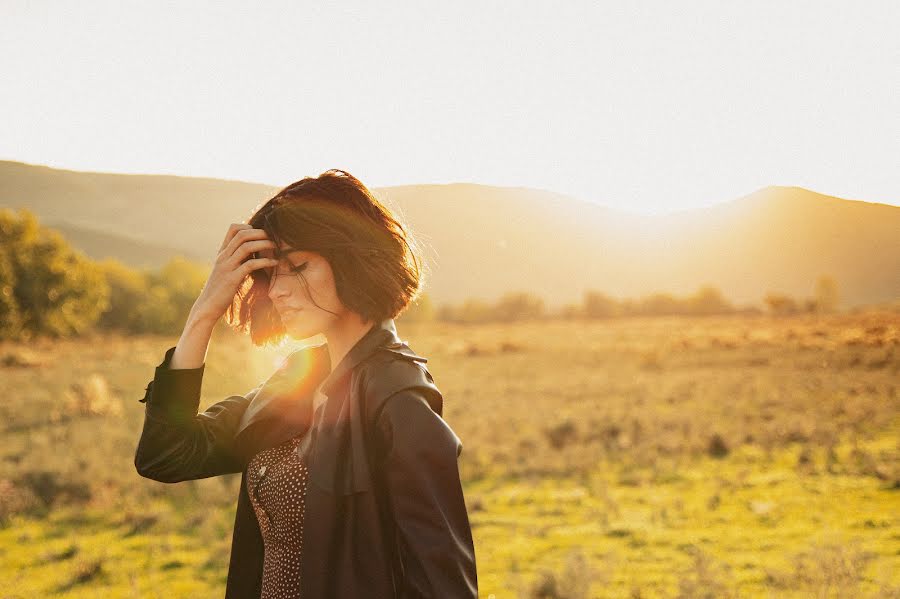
x=277 y=286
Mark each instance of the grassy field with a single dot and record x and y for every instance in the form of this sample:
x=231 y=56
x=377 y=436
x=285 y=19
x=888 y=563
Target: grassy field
x=666 y=457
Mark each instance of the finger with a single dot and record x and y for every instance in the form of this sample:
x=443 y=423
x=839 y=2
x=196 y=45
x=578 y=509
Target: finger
x=252 y=247
x=232 y=231
x=256 y=263
x=240 y=237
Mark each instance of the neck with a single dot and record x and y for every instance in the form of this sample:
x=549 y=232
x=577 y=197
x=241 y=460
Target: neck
x=344 y=334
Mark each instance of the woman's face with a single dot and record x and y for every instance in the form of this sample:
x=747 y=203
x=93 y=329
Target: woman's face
x=303 y=292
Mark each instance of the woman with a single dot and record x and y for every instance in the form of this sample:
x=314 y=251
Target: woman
x=350 y=485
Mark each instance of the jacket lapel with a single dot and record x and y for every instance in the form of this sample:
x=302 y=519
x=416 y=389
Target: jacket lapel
x=339 y=460
x=282 y=408
x=383 y=334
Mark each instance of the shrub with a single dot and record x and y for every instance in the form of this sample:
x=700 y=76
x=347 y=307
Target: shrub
x=717 y=447
x=708 y=300
x=152 y=302
x=10 y=317
x=781 y=305
x=573 y=582
x=600 y=305
x=50 y=488
x=55 y=291
x=420 y=310
x=128 y=292
x=519 y=305
x=561 y=433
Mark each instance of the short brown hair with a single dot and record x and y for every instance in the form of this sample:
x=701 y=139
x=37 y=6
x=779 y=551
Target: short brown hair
x=377 y=270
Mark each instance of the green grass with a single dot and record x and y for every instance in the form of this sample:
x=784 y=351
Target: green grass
x=589 y=462
x=750 y=518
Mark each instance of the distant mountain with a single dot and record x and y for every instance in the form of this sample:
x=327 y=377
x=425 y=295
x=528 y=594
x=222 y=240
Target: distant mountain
x=98 y=245
x=185 y=213
x=481 y=241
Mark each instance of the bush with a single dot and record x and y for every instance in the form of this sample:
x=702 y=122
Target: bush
x=573 y=582
x=658 y=304
x=51 y=488
x=182 y=280
x=151 y=302
x=10 y=317
x=717 y=446
x=513 y=306
x=781 y=305
x=421 y=310
x=48 y=288
x=471 y=311
x=561 y=433
x=708 y=300
x=600 y=305
x=128 y=292
x=55 y=291
x=519 y=305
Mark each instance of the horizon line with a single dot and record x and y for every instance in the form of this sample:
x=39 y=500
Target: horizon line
x=632 y=212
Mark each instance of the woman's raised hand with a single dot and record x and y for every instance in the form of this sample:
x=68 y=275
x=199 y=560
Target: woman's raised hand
x=234 y=263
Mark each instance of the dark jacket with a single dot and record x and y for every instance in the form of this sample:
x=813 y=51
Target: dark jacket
x=386 y=512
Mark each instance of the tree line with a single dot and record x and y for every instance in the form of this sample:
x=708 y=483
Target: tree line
x=706 y=301
x=48 y=288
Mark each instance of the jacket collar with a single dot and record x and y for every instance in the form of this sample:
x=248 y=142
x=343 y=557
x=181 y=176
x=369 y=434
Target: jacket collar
x=382 y=333
x=282 y=406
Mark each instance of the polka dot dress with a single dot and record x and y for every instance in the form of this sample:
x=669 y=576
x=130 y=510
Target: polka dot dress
x=277 y=479
x=277 y=483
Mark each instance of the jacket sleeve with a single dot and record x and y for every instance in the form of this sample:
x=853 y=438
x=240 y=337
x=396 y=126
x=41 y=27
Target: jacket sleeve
x=417 y=455
x=176 y=442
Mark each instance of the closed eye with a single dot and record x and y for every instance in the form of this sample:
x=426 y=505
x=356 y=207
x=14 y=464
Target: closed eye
x=270 y=274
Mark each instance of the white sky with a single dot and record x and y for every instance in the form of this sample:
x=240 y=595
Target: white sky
x=645 y=106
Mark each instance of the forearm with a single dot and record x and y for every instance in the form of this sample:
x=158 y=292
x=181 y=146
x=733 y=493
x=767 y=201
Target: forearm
x=192 y=346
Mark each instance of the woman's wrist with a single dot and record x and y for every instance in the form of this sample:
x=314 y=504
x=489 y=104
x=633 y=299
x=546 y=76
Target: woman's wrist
x=199 y=326
x=190 y=352
x=198 y=319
